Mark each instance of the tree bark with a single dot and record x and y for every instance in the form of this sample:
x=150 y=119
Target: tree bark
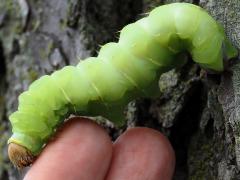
x=199 y=114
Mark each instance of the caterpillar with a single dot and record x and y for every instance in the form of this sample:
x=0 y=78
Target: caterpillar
x=121 y=72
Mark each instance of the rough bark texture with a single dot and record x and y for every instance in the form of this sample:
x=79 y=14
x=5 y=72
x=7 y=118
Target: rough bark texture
x=199 y=114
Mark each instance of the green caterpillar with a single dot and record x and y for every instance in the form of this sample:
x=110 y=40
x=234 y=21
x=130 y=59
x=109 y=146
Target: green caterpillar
x=122 y=71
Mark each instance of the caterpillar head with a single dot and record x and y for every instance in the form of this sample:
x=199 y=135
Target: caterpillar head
x=20 y=156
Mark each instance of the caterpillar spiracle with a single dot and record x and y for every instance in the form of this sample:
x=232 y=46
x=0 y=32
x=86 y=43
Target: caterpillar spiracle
x=121 y=72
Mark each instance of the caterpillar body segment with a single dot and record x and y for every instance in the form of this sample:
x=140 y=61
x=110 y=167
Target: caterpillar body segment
x=122 y=71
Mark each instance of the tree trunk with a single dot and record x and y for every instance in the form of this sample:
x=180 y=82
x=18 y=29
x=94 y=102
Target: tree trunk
x=198 y=113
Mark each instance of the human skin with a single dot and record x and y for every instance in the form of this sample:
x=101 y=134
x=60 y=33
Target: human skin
x=83 y=150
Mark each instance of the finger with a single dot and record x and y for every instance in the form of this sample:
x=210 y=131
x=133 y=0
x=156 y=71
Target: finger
x=82 y=150
x=140 y=154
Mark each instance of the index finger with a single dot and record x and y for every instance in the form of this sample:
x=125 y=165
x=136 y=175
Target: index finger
x=82 y=150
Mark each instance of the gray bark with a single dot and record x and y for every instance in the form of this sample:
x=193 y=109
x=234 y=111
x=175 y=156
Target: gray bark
x=200 y=115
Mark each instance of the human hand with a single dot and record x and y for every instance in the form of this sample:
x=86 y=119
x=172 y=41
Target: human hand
x=83 y=150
